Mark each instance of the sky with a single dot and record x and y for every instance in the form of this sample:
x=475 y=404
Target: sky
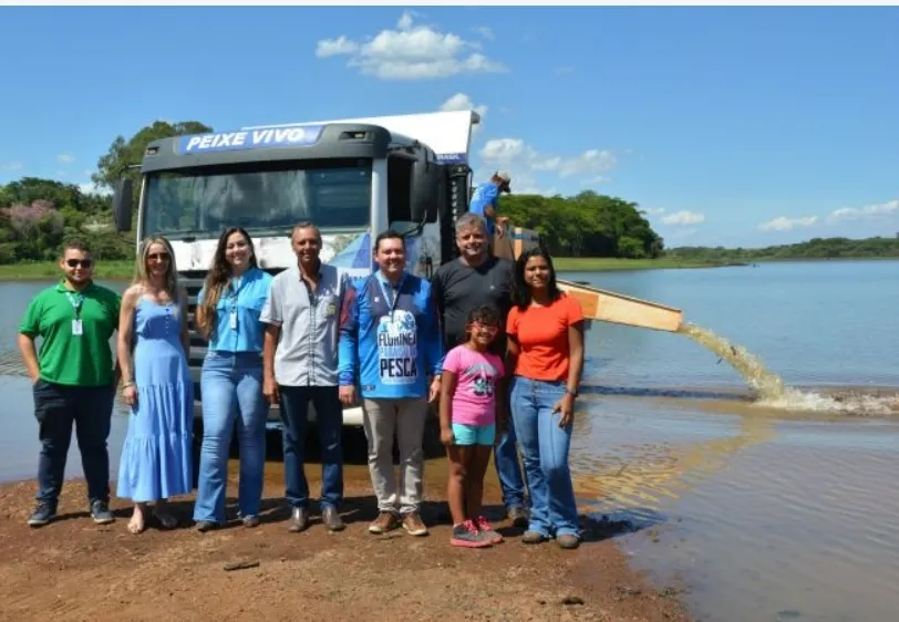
x=729 y=126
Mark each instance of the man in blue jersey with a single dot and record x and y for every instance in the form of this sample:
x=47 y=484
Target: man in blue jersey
x=390 y=342
x=485 y=202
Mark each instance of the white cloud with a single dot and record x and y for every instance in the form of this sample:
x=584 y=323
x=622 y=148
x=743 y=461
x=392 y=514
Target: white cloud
x=91 y=188
x=889 y=208
x=11 y=166
x=65 y=158
x=461 y=101
x=333 y=47
x=410 y=52
x=485 y=31
x=684 y=217
x=654 y=211
x=782 y=223
x=514 y=152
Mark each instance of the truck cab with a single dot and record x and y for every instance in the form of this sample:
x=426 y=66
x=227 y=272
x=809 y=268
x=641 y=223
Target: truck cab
x=353 y=178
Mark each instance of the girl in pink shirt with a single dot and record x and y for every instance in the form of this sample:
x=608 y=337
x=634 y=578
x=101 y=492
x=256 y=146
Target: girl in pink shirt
x=472 y=384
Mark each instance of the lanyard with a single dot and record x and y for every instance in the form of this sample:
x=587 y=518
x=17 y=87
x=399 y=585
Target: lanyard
x=77 y=300
x=396 y=298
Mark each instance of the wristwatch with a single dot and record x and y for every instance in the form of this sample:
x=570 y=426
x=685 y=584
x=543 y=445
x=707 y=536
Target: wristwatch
x=570 y=392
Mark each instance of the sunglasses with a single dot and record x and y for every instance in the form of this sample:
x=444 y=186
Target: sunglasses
x=74 y=263
x=158 y=257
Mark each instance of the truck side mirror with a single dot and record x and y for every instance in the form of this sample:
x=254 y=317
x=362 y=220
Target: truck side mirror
x=423 y=191
x=121 y=204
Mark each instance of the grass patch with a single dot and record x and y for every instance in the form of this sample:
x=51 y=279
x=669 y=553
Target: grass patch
x=598 y=264
x=49 y=270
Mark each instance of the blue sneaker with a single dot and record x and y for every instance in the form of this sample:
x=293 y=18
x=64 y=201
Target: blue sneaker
x=100 y=513
x=43 y=513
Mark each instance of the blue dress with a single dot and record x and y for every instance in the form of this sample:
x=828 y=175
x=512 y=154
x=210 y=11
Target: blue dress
x=157 y=457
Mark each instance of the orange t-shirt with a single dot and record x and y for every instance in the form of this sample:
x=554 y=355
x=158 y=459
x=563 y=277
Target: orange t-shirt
x=542 y=334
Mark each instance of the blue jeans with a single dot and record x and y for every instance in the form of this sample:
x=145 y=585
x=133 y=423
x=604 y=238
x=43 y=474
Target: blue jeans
x=57 y=409
x=508 y=469
x=329 y=417
x=544 y=451
x=231 y=387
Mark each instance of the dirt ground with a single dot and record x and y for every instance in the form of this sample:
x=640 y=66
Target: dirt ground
x=73 y=569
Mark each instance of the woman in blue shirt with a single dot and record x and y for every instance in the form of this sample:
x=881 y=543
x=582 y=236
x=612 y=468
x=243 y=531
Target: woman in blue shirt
x=228 y=309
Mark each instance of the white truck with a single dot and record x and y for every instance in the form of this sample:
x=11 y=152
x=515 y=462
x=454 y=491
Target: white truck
x=353 y=177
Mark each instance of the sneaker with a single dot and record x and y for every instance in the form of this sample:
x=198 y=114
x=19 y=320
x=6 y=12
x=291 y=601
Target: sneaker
x=533 y=537
x=100 y=513
x=206 y=525
x=385 y=522
x=250 y=521
x=414 y=525
x=568 y=541
x=43 y=513
x=487 y=532
x=467 y=535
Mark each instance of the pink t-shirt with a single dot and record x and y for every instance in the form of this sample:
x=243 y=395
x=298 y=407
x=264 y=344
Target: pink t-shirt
x=476 y=377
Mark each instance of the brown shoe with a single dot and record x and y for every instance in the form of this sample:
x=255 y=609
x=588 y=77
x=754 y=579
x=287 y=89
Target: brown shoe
x=385 y=522
x=568 y=541
x=414 y=525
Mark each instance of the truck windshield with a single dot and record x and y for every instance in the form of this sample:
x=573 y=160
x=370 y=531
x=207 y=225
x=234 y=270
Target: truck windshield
x=267 y=197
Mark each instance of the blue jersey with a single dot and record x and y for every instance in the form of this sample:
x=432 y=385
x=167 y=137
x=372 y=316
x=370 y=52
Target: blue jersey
x=486 y=195
x=390 y=337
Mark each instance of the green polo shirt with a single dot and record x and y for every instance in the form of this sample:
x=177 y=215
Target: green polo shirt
x=65 y=358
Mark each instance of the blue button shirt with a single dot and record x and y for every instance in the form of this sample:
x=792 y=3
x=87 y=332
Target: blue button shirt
x=246 y=298
x=486 y=195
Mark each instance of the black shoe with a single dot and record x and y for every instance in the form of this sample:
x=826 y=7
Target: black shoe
x=332 y=520
x=100 y=513
x=299 y=520
x=43 y=513
x=519 y=516
x=206 y=525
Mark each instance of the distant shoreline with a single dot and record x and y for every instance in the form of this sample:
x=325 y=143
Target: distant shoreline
x=124 y=269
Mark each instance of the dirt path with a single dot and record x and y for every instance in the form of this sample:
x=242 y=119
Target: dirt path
x=75 y=570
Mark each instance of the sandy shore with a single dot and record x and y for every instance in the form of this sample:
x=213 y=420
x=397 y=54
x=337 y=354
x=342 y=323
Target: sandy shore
x=73 y=569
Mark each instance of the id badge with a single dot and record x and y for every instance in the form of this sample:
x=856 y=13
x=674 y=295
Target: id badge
x=332 y=309
x=233 y=320
x=76 y=327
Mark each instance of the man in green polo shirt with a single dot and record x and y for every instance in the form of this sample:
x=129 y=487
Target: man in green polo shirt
x=74 y=380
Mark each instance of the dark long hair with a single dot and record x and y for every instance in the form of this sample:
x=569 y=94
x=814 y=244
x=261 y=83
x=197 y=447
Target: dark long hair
x=218 y=277
x=521 y=291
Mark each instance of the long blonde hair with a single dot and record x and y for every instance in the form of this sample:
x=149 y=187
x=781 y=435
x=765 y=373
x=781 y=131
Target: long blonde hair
x=218 y=277
x=142 y=275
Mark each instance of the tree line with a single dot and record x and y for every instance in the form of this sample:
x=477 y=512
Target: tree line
x=816 y=248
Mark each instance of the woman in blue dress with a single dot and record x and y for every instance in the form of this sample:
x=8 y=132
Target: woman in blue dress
x=157 y=457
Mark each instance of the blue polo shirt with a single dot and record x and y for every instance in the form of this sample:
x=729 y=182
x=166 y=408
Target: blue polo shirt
x=486 y=195
x=246 y=297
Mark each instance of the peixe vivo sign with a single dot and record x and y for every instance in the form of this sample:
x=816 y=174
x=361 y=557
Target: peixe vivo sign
x=250 y=139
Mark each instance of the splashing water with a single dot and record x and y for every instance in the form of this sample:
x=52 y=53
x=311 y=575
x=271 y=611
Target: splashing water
x=768 y=384
x=771 y=389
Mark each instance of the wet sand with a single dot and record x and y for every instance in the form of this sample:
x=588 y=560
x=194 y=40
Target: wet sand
x=73 y=569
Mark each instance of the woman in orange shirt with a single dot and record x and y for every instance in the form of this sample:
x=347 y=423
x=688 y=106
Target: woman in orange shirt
x=546 y=354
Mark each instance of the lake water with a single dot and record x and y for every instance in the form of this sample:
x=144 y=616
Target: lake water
x=762 y=512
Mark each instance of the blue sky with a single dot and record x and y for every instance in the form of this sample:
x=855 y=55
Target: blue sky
x=731 y=126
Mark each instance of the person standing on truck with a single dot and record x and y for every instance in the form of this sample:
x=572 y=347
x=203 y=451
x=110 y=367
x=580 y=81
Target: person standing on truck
x=301 y=337
x=228 y=308
x=73 y=380
x=478 y=278
x=485 y=202
x=390 y=343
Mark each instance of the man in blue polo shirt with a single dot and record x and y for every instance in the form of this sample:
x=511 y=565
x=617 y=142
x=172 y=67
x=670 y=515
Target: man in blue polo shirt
x=74 y=380
x=485 y=202
x=390 y=341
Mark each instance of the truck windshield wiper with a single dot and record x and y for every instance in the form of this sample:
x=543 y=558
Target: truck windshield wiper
x=190 y=235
